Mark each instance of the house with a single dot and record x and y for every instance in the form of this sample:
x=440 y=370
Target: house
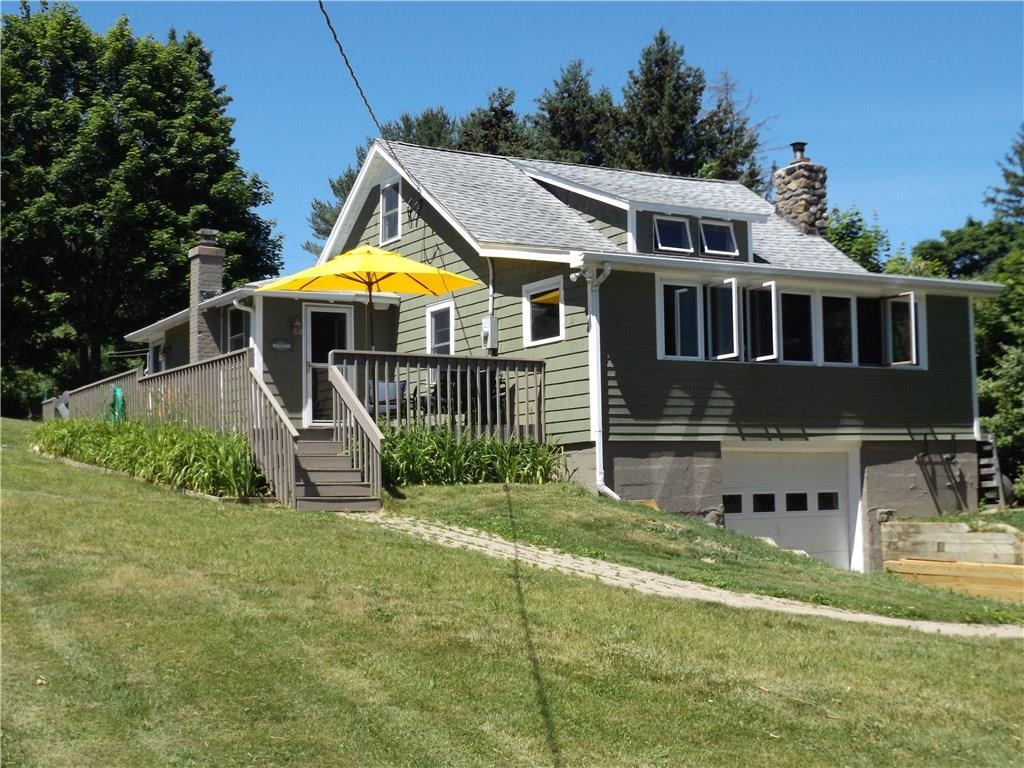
x=699 y=346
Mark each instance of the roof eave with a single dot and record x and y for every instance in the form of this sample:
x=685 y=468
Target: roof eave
x=644 y=263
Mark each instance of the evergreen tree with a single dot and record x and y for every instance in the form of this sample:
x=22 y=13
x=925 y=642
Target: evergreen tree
x=115 y=150
x=1008 y=201
x=496 y=129
x=573 y=123
x=433 y=127
x=729 y=141
x=662 y=103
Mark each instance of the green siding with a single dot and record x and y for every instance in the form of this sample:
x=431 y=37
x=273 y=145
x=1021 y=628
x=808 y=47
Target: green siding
x=428 y=237
x=645 y=237
x=283 y=369
x=176 y=345
x=651 y=399
x=606 y=219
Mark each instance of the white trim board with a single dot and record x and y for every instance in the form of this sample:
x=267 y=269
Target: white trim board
x=350 y=330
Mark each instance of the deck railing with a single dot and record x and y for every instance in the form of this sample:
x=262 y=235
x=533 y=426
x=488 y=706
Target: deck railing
x=357 y=432
x=223 y=394
x=498 y=396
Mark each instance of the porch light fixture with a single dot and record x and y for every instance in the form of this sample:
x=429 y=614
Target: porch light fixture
x=297 y=326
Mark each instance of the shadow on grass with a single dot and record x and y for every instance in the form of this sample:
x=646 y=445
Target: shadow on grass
x=550 y=731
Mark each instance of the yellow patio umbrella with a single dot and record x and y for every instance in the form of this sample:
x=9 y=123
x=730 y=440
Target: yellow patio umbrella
x=374 y=270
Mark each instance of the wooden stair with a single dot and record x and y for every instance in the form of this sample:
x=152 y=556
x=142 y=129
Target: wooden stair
x=325 y=478
x=990 y=478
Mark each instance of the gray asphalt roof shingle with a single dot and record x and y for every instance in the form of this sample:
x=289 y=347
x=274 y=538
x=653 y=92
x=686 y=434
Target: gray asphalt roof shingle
x=497 y=202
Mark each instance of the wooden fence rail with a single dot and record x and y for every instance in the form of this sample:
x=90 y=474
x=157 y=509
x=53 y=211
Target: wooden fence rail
x=223 y=394
x=357 y=432
x=498 y=396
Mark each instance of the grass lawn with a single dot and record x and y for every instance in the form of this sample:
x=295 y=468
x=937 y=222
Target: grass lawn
x=1014 y=517
x=173 y=631
x=567 y=518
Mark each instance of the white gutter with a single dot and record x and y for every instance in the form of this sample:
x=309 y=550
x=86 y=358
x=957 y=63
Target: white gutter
x=594 y=281
x=811 y=277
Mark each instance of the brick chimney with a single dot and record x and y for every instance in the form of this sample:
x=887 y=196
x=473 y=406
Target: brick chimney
x=206 y=264
x=800 y=192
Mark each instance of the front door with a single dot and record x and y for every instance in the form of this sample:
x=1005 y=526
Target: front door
x=325 y=328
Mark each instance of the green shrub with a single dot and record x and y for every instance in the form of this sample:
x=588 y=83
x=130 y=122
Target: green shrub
x=196 y=459
x=422 y=456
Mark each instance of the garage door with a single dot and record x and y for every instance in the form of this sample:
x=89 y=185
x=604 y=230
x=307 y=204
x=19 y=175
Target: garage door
x=798 y=499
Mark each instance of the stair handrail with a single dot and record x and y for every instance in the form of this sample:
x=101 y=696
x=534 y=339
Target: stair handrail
x=272 y=439
x=356 y=430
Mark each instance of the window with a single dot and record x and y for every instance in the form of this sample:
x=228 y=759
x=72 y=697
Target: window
x=543 y=312
x=156 y=363
x=887 y=330
x=796 y=502
x=764 y=502
x=870 y=350
x=236 y=330
x=682 y=312
x=440 y=328
x=828 y=501
x=797 y=327
x=723 y=320
x=901 y=330
x=732 y=503
x=672 y=235
x=718 y=238
x=390 y=224
x=837 y=329
x=762 y=340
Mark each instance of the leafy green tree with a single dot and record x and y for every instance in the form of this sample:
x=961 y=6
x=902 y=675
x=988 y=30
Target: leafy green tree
x=433 y=127
x=1001 y=398
x=496 y=129
x=662 y=102
x=867 y=244
x=573 y=123
x=115 y=150
x=1008 y=201
x=970 y=250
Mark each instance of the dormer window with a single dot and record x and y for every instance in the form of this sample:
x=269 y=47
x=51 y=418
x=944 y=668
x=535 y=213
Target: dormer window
x=672 y=235
x=718 y=238
x=390 y=224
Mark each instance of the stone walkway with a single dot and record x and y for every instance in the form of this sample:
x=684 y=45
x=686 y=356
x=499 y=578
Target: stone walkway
x=650 y=583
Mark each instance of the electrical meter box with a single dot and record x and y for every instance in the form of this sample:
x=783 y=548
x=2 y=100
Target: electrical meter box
x=489 y=332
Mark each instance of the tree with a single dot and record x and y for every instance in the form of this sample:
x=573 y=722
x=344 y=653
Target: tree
x=115 y=150
x=433 y=127
x=867 y=244
x=496 y=129
x=573 y=123
x=729 y=141
x=1008 y=201
x=970 y=250
x=662 y=102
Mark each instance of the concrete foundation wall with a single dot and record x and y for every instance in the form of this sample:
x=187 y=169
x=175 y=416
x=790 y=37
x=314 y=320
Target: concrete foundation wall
x=918 y=480
x=581 y=463
x=682 y=477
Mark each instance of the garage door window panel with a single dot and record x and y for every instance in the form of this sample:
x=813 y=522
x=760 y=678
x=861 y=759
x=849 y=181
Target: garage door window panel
x=763 y=502
x=828 y=501
x=796 y=502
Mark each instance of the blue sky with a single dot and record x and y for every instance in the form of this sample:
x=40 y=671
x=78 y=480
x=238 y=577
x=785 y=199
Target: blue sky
x=909 y=105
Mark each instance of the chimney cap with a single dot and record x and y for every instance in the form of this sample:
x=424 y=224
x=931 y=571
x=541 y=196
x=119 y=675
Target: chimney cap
x=208 y=236
x=798 y=151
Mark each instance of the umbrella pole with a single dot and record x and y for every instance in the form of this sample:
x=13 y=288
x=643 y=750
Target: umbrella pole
x=369 y=319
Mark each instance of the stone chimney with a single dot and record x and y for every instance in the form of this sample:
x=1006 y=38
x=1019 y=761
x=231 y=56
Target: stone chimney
x=206 y=263
x=800 y=192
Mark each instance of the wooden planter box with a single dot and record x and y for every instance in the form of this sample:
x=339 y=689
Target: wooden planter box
x=983 y=579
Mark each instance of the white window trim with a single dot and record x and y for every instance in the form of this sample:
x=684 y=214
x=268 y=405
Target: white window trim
x=659 y=303
x=815 y=330
x=440 y=306
x=910 y=299
x=657 y=239
x=732 y=231
x=227 y=329
x=737 y=336
x=394 y=182
x=819 y=352
x=540 y=286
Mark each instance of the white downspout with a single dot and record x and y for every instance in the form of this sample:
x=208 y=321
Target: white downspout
x=490 y=286
x=594 y=281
